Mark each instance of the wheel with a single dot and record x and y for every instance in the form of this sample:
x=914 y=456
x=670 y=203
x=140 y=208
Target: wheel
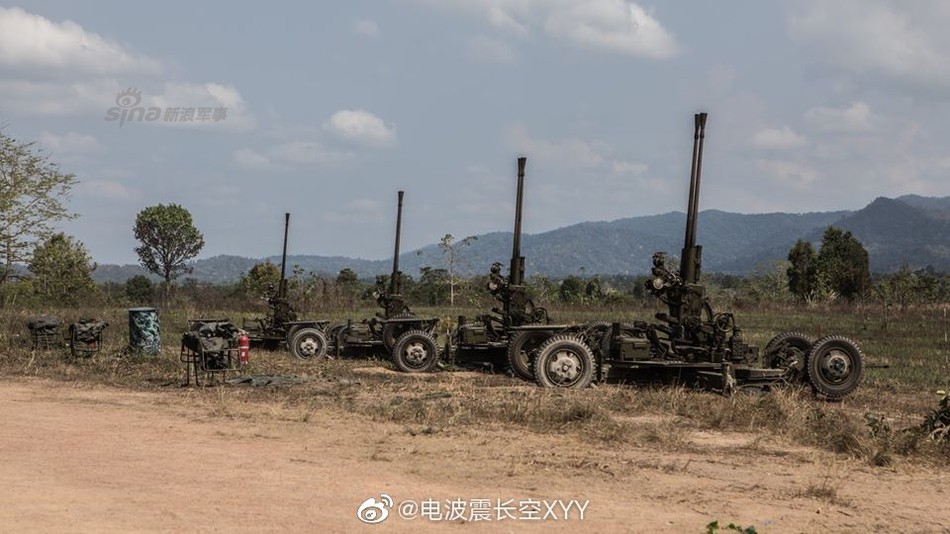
x=564 y=362
x=332 y=333
x=291 y=332
x=789 y=351
x=393 y=331
x=415 y=352
x=835 y=365
x=520 y=349
x=309 y=343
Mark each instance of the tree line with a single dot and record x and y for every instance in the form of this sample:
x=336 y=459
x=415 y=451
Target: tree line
x=59 y=268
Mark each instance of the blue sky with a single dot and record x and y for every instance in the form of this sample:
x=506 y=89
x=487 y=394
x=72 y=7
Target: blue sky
x=334 y=106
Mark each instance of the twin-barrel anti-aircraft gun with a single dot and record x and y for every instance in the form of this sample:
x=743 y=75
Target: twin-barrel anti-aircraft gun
x=690 y=344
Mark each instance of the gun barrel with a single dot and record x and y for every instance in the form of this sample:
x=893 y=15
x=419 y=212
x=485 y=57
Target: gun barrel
x=282 y=288
x=689 y=263
x=516 y=271
x=394 y=282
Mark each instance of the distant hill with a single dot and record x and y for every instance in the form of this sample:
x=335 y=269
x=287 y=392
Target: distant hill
x=910 y=230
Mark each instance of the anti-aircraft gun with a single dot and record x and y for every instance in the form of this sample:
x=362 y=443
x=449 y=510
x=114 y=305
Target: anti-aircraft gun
x=517 y=309
x=514 y=330
x=694 y=345
x=306 y=339
x=409 y=340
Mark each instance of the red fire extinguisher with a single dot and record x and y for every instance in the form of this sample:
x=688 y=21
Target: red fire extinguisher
x=244 y=349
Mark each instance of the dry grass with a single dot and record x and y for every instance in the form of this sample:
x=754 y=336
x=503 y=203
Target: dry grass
x=867 y=426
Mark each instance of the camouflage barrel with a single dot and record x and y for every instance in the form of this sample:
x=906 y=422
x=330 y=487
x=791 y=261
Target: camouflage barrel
x=145 y=332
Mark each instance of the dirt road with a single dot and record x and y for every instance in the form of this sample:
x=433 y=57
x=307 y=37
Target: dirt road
x=97 y=459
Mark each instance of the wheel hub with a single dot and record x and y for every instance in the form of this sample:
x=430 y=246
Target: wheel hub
x=309 y=347
x=416 y=353
x=565 y=367
x=836 y=366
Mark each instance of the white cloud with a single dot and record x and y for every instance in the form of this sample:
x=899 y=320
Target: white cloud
x=31 y=41
x=790 y=173
x=366 y=28
x=778 y=138
x=490 y=50
x=361 y=126
x=572 y=152
x=617 y=26
x=33 y=47
x=503 y=20
x=201 y=95
x=24 y=97
x=70 y=143
x=855 y=118
x=95 y=97
x=612 y=25
x=287 y=156
x=900 y=41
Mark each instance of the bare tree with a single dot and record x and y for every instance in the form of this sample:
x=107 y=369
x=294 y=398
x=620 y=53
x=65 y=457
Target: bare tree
x=451 y=249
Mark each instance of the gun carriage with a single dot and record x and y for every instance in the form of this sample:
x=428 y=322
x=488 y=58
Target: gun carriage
x=397 y=332
x=696 y=345
x=306 y=339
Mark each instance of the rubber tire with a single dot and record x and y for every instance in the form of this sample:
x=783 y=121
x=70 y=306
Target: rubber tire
x=308 y=333
x=290 y=333
x=394 y=331
x=415 y=340
x=519 y=360
x=796 y=340
x=555 y=347
x=840 y=347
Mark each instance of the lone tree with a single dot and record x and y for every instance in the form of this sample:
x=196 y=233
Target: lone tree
x=32 y=191
x=169 y=239
x=843 y=263
x=803 y=269
x=62 y=270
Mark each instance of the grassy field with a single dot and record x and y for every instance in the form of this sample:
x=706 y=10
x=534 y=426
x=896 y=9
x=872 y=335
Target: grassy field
x=877 y=423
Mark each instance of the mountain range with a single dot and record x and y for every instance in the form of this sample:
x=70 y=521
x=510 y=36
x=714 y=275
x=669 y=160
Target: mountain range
x=910 y=230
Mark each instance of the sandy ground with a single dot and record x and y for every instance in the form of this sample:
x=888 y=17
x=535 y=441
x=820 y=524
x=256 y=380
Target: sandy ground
x=80 y=459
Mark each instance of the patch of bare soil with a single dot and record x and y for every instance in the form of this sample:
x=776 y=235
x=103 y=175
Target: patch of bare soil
x=96 y=459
